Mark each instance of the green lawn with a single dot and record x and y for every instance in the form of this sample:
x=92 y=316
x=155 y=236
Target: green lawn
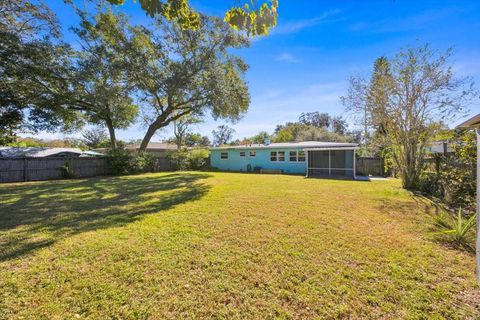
x=224 y=245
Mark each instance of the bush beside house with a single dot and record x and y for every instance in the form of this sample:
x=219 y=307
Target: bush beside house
x=190 y=159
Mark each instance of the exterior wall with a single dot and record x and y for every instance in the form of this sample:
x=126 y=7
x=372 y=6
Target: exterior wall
x=262 y=160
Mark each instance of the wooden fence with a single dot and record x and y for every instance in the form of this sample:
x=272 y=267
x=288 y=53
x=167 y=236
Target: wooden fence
x=366 y=166
x=36 y=169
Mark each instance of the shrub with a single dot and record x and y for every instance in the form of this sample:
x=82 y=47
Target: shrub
x=67 y=171
x=143 y=162
x=119 y=161
x=453 y=181
x=457 y=230
x=185 y=159
x=198 y=159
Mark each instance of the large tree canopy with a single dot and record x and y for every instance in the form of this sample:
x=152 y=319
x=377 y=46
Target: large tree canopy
x=178 y=72
x=100 y=84
x=31 y=62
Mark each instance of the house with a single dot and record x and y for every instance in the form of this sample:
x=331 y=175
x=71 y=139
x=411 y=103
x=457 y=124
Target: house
x=44 y=152
x=158 y=149
x=312 y=158
x=439 y=147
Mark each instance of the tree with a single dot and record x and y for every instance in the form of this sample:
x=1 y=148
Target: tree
x=28 y=20
x=196 y=140
x=94 y=138
x=31 y=58
x=252 y=19
x=101 y=87
x=183 y=72
x=315 y=119
x=181 y=128
x=260 y=138
x=312 y=133
x=408 y=100
x=222 y=135
x=339 y=125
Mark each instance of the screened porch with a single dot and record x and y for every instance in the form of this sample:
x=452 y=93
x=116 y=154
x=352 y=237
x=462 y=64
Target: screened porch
x=335 y=163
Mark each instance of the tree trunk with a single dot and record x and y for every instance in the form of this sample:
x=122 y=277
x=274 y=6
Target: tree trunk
x=148 y=136
x=111 y=131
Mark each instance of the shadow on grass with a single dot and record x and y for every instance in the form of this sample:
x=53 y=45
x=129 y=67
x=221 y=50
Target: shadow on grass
x=33 y=216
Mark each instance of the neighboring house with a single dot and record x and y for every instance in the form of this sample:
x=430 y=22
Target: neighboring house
x=35 y=152
x=160 y=150
x=439 y=147
x=312 y=158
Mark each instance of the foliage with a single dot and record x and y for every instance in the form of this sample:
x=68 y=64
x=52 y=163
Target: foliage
x=143 y=162
x=190 y=159
x=182 y=72
x=28 y=19
x=315 y=119
x=196 y=140
x=100 y=85
x=260 y=138
x=122 y=162
x=292 y=132
x=409 y=121
x=455 y=182
x=67 y=171
x=119 y=161
x=33 y=66
x=181 y=129
x=222 y=135
x=95 y=138
x=253 y=21
x=459 y=230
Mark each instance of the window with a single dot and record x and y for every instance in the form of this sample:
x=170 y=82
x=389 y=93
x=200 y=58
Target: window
x=296 y=156
x=273 y=156
x=301 y=156
x=242 y=154
x=293 y=156
x=253 y=154
x=281 y=155
x=224 y=155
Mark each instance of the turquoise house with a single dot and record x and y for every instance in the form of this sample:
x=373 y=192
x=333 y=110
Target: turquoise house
x=311 y=158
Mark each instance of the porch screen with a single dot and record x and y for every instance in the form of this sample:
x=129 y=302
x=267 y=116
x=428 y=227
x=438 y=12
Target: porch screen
x=330 y=163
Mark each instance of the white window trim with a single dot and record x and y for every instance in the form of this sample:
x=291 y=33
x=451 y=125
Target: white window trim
x=244 y=154
x=250 y=154
x=304 y=156
x=297 y=157
x=276 y=156
x=224 y=158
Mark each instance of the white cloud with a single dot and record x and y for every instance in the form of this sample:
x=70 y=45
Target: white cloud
x=288 y=57
x=290 y=27
x=405 y=23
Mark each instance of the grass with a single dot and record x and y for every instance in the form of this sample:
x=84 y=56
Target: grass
x=224 y=245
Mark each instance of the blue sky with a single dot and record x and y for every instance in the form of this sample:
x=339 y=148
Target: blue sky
x=304 y=63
